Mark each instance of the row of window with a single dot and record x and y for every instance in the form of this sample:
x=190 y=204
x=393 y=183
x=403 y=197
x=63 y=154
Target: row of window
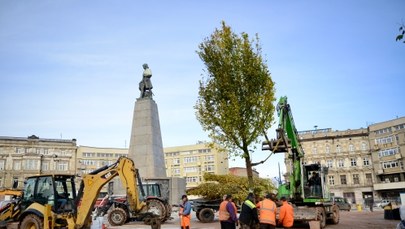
x=352 y=148
x=104 y=155
x=355 y=179
x=192 y=159
x=388 y=152
x=384 y=140
x=193 y=169
x=389 y=130
x=34 y=164
x=383 y=131
x=42 y=151
x=330 y=163
x=392 y=164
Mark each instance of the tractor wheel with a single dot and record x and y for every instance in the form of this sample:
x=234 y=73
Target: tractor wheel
x=321 y=216
x=117 y=217
x=156 y=207
x=335 y=215
x=197 y=214
x=206 y=215
x=31 y=221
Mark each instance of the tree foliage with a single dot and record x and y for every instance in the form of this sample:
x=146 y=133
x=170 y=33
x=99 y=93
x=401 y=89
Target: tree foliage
x=401 y=33
x=215 y=186
x=236 y=93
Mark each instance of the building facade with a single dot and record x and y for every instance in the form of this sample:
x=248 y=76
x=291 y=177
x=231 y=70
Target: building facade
x=192 y=161
x=348 y=158
x=387 y=141
x=22 y=157
x=91 y=158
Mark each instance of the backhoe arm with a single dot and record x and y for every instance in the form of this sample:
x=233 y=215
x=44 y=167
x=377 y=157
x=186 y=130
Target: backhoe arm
x=94 y=181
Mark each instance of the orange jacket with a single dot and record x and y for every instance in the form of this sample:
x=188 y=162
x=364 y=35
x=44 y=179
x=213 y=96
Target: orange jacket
x=267 y=211
x=286 y=216
x=223 y=213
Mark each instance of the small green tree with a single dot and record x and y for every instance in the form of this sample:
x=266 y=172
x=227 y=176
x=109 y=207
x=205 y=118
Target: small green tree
x=235 y=102
x=215 y=186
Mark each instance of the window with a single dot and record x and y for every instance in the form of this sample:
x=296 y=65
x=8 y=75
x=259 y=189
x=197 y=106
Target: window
x=329 y=163
x=15 y=182
x=331 y=180
x=17 y=165
x=192 y=179
x=353 y=162
x=45 y=166
x=356 y=179
x=343 y=179
x=363 y=146
x=31 y=164
x=338 y=149
x=384 y=140
x=341 y=163
x=209 y=158
x=366 y=161
x=176 y=161
x=176 y=171
x=401 y=126
x=327 y=149
x=387 y=152
x=62 y=166
x=204 y=150
x=351 y=147
x=2 y=164
x=369 y=179
x=190 y=159
x=391 y=164
x=209 y=168
x=314 y=150
x=383 y=131
x=190 y=169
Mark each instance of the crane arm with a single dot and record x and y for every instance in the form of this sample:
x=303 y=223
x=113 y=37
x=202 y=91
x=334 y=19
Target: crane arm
x=93 y=182
x=288 y=142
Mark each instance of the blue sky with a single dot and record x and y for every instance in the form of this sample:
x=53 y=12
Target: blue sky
x=71 y=69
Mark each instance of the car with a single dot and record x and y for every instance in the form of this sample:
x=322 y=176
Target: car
x=383 y=203
x=341 y=203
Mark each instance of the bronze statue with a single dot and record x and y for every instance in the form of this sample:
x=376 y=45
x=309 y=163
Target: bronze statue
x=145 y=86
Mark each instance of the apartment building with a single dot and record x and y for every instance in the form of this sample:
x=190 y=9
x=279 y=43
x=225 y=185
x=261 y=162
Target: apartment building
x=348 y=157
x=21 y=157
x=387 y=141
x=192 y=161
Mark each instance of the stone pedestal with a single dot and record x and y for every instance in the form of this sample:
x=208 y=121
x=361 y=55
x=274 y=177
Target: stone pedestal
x=146 y=148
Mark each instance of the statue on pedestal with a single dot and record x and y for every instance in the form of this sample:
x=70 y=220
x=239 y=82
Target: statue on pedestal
x=145 y=86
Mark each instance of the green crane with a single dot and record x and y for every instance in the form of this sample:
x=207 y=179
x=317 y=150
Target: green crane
x=306 y=186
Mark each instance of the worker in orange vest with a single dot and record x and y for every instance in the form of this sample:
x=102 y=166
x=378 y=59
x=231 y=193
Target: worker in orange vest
x=267 y=213
x=227 y=213
x=184 y=213
x=286 y=216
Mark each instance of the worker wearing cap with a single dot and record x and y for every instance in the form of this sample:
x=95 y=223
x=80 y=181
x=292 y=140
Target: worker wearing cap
x=185 y=210
x=227 y=213
x=267 y=212
x=286 y=216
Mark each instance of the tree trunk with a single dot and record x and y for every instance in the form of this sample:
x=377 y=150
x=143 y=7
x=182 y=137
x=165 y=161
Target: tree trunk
x=249 y=171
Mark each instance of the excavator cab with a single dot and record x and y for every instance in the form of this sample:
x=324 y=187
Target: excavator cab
x=314 y=177
x=58 y=191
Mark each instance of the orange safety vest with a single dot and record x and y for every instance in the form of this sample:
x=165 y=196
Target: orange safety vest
x=185 y=219
x=223 y=213
x=286 y=216
x=267 y=212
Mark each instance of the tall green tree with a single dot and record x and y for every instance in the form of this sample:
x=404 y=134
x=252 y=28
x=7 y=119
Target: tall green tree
x=236 y=93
